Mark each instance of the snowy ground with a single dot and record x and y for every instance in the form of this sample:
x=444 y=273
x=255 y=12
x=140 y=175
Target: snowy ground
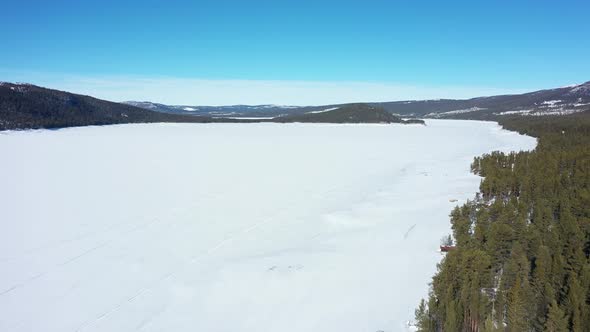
x=229 y=227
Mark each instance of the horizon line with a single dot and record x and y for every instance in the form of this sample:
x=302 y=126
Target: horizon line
x=178 y=91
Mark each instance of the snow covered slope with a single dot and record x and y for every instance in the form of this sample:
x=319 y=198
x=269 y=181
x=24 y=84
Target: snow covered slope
x=229 y=227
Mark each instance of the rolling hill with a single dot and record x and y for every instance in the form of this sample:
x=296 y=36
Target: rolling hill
x=24 y=106
x=559 y=101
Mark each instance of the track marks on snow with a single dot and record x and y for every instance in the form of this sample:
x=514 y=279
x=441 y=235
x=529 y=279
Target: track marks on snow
x=176 y=271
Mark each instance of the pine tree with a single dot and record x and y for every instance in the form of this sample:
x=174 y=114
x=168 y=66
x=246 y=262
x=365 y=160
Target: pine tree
x=517 y=315
x=556 y=319
x=544 y=291
x=574 y=304
x=452 y=318
x=422 y=318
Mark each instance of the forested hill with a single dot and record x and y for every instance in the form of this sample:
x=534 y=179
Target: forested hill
x=28 y=106
x=521 y=261
x=350 y=113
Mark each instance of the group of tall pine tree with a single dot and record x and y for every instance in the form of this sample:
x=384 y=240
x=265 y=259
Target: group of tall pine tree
x=521 y=261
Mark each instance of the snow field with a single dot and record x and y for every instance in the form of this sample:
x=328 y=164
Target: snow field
x=230 y=227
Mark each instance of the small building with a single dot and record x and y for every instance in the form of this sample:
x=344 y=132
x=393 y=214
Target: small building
x=446 y=248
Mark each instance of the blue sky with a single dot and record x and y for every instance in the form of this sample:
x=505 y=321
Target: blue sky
x=446 y=48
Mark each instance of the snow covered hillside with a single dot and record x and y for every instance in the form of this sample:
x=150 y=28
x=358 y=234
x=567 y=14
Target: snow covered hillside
x=229 y=227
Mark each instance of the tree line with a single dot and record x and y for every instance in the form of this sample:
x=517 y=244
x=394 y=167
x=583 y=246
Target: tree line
x=521 y=261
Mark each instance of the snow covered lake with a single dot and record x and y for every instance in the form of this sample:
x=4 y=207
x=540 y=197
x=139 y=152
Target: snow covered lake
x=229 y=227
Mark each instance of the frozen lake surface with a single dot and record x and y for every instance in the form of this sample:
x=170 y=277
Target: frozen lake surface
x=229 y=227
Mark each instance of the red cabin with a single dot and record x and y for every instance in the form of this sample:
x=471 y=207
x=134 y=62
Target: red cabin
x=446 y=248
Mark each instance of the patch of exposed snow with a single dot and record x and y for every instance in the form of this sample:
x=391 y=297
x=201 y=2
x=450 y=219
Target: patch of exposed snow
x=248 y=118
x=190 y=109
x=513 y=112
x=569 y=86
x=582 y=88
x=559 y=111
x=217 y=113
x=461 y=111
x=322 y=111
x=142 y=104
x=21 y=88
x=551 y=103
x=543 y=112
x=272 y=106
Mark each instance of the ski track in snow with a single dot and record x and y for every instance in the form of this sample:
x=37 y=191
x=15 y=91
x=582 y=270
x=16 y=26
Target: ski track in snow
x=218 y=227
x=170 y=275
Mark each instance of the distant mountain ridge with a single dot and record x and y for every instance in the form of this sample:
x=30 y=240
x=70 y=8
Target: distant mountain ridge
x=217 y=111
x=559 y=101
x=261 y=111
x=25 y=106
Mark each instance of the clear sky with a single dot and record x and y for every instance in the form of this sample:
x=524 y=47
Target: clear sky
x=294 y=52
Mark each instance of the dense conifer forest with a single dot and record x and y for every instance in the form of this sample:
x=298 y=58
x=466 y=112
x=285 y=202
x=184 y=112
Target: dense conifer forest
x=521 y=261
